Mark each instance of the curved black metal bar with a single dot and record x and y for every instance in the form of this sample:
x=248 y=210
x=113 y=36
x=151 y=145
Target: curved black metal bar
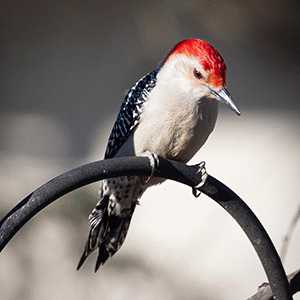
x=140 y=166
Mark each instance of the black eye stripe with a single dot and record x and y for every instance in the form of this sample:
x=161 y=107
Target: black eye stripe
x=197 y=74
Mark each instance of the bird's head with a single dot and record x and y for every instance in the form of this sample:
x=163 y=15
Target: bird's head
x=198 y=71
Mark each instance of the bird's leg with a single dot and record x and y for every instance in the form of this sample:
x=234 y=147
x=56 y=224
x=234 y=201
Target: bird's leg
x=202 y=172
x=154 y=161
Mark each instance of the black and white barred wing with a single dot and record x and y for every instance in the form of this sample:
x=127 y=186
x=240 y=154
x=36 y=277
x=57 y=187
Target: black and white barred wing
x=130 y=113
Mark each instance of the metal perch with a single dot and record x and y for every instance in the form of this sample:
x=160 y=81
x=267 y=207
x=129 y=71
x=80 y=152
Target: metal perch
x=140 y=166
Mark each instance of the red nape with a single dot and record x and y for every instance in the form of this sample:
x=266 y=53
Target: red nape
x=208 y=56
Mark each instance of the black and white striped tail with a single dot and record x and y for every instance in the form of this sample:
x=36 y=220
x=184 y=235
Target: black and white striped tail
x=107 y=233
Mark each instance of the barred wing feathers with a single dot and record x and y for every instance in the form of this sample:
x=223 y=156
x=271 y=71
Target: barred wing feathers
x=130 y=113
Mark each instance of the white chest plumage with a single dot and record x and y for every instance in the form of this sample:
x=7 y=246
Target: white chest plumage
x=172 y=127
x=177 y=131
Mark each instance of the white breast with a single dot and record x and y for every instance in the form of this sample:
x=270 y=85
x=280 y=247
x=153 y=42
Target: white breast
x=176 y=132
x=171 y=127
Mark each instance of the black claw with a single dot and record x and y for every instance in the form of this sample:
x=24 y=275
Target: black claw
x=201 y=169
x=196 y=192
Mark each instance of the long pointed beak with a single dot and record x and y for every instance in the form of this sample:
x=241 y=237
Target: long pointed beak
x=224 y=96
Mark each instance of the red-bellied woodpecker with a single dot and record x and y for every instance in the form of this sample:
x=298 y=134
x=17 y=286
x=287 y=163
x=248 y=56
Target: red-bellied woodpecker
x=170 y=112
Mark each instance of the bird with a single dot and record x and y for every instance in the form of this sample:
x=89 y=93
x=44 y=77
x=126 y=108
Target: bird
x=169 y=112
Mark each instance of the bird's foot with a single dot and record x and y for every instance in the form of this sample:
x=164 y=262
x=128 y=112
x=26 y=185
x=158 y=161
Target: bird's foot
x=202 y=172
x=154 y=161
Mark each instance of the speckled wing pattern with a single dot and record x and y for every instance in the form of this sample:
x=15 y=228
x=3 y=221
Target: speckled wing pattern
x=130 y=113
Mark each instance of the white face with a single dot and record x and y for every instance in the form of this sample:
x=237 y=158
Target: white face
x=183 y=78
x=186 y=77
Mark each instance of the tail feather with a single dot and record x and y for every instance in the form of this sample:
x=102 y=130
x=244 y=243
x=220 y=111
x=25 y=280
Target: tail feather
x=98 y=222
x=102 y=257
x=108 y=235
x=115 y=235
x=83 y=257
x=90 y=245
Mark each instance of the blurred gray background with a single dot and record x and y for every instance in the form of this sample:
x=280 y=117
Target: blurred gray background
x=64 y=69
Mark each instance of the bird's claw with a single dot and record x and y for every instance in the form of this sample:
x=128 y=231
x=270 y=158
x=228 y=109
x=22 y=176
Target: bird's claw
x=202 y=172
x=154 y=162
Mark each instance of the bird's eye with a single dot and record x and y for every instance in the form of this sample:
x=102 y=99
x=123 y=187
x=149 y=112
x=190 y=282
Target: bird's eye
x=197 y=74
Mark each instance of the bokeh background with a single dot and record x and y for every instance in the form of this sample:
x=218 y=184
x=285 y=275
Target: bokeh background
x=64 y=68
